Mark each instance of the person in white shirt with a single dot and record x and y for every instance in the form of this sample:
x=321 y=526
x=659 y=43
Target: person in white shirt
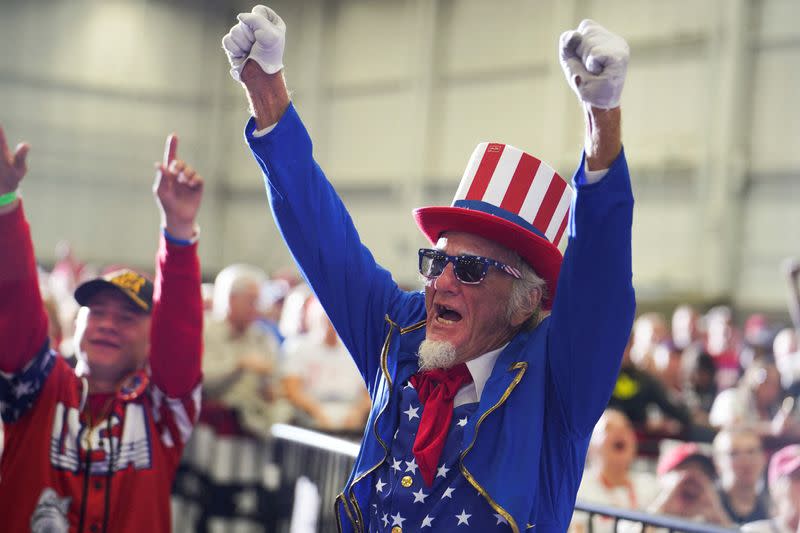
x=241 y=367
x=320 y=378
x=609 y=479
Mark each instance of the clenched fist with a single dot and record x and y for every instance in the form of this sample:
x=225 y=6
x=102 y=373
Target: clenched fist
x=259 y=35
x=595 y=62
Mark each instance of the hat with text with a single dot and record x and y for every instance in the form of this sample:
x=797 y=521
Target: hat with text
x=512 y=198
x=135 y=286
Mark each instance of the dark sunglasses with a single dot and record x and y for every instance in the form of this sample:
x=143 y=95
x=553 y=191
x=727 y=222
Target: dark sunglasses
x=469 y=269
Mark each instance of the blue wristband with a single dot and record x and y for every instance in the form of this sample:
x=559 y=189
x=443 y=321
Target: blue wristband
x=180 y=242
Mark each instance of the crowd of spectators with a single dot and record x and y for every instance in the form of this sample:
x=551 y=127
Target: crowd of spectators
x=702 y=424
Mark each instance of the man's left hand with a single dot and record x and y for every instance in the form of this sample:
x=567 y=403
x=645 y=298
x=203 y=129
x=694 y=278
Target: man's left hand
x=178 y=189
x=595 y=62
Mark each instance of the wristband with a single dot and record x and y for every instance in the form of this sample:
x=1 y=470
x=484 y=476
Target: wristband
x=8 y=198
x=181 y=242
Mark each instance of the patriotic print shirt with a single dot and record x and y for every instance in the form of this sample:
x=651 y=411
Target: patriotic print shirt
x=400 y=499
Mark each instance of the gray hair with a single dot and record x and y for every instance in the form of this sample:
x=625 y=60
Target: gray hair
x=521 y=299
x=232 y=279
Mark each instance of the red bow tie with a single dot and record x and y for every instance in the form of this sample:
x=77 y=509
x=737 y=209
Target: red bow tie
x=436 y=389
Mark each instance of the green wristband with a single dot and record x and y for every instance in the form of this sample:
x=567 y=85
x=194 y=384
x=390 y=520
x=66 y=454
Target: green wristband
x=7 y=198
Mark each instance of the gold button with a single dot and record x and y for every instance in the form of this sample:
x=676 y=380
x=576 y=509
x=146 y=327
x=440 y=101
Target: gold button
x=397 y=529
x=406 y=482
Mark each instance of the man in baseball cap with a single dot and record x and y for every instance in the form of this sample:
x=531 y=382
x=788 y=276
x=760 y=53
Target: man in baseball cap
x=486 y=387
x=114 y=347
x=96 y=448
x=784 y=487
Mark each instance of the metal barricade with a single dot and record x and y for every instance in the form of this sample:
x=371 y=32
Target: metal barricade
x=626 y=520
x=326 y=462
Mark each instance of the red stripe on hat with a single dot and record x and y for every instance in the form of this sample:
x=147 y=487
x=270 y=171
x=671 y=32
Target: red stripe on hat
x=549 y=203
x=561 y=229
x=485 y=170
x=520 y=183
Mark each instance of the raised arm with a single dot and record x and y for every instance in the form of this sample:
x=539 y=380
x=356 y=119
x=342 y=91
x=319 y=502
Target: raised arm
x=312 y=219
x=23 y=321
x=594 y=306
x=595 y=63
x=176 y=336
x=255 y=50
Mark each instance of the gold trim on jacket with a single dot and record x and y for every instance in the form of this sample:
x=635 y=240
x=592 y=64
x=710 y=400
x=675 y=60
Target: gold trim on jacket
x=521 y=367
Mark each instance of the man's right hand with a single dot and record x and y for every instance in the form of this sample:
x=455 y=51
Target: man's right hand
x=12 y=166
x=259 y=35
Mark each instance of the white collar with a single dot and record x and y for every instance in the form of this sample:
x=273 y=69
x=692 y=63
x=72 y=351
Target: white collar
x=481 y=368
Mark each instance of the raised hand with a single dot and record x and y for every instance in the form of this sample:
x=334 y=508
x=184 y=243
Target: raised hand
x=261 y=36
x=12 y=165
x=178 y=190
x=595 y=62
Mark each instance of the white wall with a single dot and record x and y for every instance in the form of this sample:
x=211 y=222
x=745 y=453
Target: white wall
x=396 y=94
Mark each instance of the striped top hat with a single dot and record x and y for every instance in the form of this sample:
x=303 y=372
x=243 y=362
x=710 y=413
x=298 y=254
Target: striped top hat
x=513 y=199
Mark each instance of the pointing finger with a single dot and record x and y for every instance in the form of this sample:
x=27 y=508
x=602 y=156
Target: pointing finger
x=170 y=149
x=3 y=145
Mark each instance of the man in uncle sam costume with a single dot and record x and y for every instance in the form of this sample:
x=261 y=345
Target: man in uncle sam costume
x=485 y=387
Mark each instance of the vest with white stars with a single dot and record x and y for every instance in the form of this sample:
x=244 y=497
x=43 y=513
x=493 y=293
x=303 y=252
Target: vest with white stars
x=400 y=500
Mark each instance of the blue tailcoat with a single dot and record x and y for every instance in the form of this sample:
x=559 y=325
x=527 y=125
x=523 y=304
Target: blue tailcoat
x=524 y=449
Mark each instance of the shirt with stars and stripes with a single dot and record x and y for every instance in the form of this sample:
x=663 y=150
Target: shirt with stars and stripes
x=400 y=496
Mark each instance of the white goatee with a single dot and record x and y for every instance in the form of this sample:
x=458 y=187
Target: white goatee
x=436 y=354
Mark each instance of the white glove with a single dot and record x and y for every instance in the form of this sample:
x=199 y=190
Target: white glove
x=260 y=36
x=594 y=61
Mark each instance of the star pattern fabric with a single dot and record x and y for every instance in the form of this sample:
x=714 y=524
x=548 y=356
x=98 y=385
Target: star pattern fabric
x=411 y=412
x=22 y=388
x=400 y=497
x=396 y=466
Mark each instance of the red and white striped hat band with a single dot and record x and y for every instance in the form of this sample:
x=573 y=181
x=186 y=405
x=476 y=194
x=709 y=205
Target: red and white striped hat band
x=506 y=182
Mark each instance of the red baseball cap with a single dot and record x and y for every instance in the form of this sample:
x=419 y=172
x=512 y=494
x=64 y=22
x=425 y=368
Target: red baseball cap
x=784 y=463
x=683 y=453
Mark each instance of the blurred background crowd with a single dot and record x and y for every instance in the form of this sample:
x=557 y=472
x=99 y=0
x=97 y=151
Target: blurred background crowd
x=704 y=399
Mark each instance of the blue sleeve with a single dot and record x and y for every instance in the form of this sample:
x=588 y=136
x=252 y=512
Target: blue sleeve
x=595 y=303
x=354 y=290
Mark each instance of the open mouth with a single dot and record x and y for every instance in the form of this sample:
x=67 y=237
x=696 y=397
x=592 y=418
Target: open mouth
x=619 y=445
x=446 y=315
